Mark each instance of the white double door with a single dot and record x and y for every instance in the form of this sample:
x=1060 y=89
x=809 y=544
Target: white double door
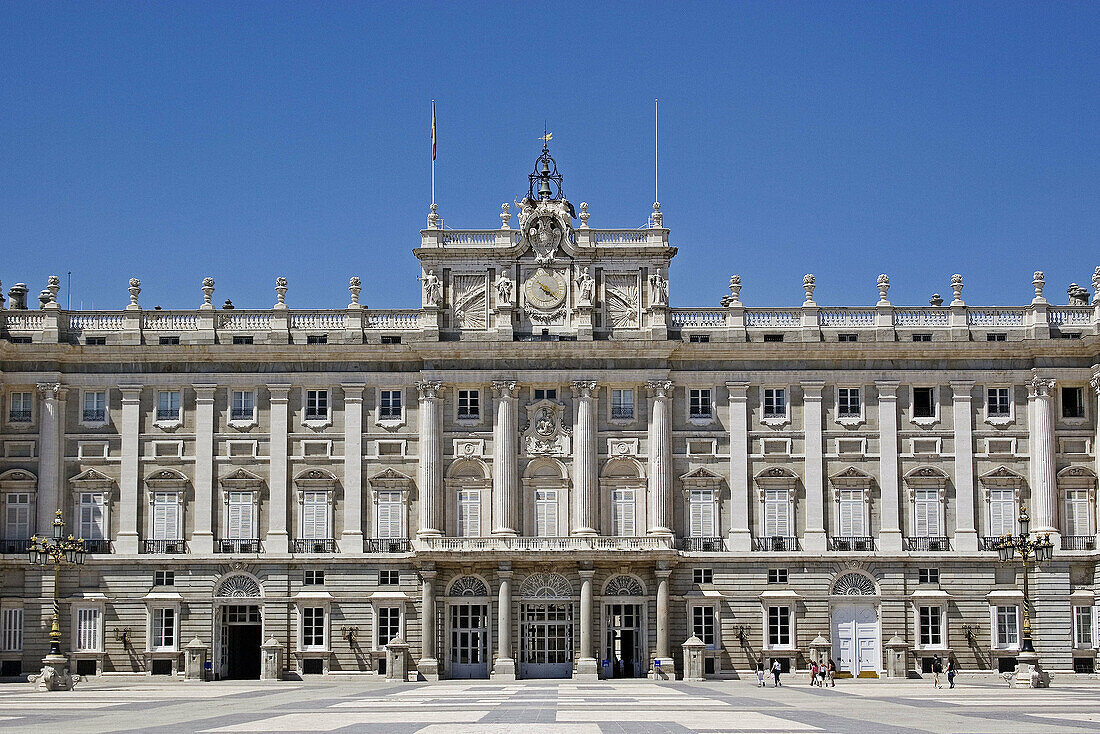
x=856 y=638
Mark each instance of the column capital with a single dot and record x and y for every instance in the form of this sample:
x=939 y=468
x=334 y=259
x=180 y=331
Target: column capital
x=739 y=389
x=663 y=573
x=585 y=388
x=812 y=388
x=962 y=388
x=353 y=391
x=505 y=389
x=505 y=574
x=428 y=574
x=205 y=392
x=430 y=389
x=279 y=392
x=49 y=390
x=586 y=573
x=659 y=389
x=1040 y=387
x=887 y=389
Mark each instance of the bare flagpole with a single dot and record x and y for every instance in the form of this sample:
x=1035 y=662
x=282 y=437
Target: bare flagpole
x=655 y=117
x=433 y=151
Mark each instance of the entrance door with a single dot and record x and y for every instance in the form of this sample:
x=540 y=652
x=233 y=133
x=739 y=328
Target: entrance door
x=855 y=638
x=241 y=637
x=624 y=632
x=469 y=638
x=546 y=640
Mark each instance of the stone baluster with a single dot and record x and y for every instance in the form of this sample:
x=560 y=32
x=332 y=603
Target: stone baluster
x=585 y=453
x=278 y=537
x=202 y=537
x=505 y=451
x=505 y=666
x=740 y=539
x=660 y=457
x=428 y=666
x=815 y=538
x=129 y=483
x=966 y=533
x=1044 y=488
x=52 y=398
x=430 y=465
x=351 y=540
x=889 y=483
x=586 y=660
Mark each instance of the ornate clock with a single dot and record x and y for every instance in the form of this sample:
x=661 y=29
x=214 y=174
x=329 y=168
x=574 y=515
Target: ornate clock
x=545 y=289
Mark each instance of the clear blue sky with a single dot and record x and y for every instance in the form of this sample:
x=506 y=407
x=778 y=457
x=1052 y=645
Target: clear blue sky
x=251 y=140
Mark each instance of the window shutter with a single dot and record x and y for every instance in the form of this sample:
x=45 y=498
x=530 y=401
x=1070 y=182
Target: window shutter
x=622 y=511
x=776 y=514
x=389 y=514
x=469 y=513
x=12 y=637
x=88 y=629
x=1002 y=509
x=17 y=519
x=314 y=516
x=92 y=516
x=165 y=517
x=701 y=511
x=1077 y=513
x=546 y=514
x=240 y=516
x=926 y=514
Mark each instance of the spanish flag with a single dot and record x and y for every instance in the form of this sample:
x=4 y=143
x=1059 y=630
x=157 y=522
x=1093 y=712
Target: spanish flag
x=433 y=129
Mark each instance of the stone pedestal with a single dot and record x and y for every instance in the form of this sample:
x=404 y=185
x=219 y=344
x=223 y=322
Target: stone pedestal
x=897 y=658
x=194 y=660
x=504 y=669
x=1029 y=674
x=664 y=669
x=693 y=658
x=397 y=660
x=271 y=663
x=54 y=676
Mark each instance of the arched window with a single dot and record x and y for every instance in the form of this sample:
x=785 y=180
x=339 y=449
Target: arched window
x=854 y=584
x=546 y=586
x=469 y=586
x=623 y=586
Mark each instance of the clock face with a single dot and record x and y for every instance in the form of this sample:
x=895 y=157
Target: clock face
x=545 y=289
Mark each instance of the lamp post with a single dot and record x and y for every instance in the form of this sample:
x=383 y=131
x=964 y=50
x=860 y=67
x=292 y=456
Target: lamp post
x=56 y=551
x=1030 y=549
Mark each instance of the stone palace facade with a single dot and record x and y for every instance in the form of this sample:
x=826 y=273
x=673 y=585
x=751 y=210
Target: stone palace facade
x=547 y=471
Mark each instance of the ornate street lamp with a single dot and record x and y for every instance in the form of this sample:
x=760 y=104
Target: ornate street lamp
x=1036 y=549
x=56 y=551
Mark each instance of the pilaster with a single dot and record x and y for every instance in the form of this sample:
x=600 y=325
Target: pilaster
x=351 y=539
x=129 y=485
x=428 y=665
x=202 y=537
x=587 y=665
x=278 y=536
x=1044 y=487
x=430 y=464
x=890 y=538
x=504 y=668
x=740 y=537
x=815 y=537
x=52 y=399
x=664 y=668
x=966 y=534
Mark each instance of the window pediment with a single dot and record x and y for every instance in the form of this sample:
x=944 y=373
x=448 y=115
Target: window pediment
x=1076 y=477
x=391 y=479
x=1001 y=478
x=701 y=478
x=777 y=477
x=167 y=479
x=926 y=477
x=852 y=478
x=19 y=480
x=241 y=479
x=315 y=479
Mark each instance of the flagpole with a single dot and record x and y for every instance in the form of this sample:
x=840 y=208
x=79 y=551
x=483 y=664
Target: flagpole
x=655 y=118
x=433 y=151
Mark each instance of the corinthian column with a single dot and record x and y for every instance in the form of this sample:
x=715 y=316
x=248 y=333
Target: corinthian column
x=1095 y=382
x=1044 y=488
x=49 y=454
x=660 y=457
x=428 y=665
x=585 y=482
x=505 y=448
x=429 y=471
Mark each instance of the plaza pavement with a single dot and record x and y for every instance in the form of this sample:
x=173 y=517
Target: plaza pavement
x=551 y=707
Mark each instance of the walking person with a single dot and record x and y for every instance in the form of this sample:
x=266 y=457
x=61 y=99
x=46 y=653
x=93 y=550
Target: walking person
x=937 y=670
x=813 y=673
x=776 y=670
x=832 y=673
x=952 y=671
x=760 y=674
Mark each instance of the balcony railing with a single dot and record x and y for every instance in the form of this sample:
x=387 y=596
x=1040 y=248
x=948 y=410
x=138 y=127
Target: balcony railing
x=853 y=543
x=386 y=545
x=168 y=414
x=95 y=416
x=164 y=546
x=564 y=543
x=100 y=546
x=622 y=414
x=777 y=543
x=10 y=546
x=927 y=543
x=1079 y=542
x=19 y=416
x=701 y=545
x=237 y=545
x=241 y=414
x=315 y=545
x=988 y=542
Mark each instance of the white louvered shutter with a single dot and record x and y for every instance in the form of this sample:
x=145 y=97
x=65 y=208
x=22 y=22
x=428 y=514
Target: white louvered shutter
x=314 y=515
x=1077 y=512
x=17 y=516
x=546 y=513
x=701 y=511
x=87 y=629
x=389 y=514
x=92 y=516
x=469 y=513
x=926 y=513
x=240 y=516
x=777 y=513
x=1002 y=511
x=622 y=512
x=165 y=516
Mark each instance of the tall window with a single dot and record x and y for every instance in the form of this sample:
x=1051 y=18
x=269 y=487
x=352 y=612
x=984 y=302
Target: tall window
x=701 y=514
x=1082 y=627
x=1073 y=402
x=931 y=626
x=775 y=402
x=19 y=407
x=95 y=406
x=166 y=516
x=699 y=403
x=92 y=516
x=87 y=629
x=316 y=405
x=777 y=513
x=168 y=405
x=1006 y=628
x=389 y=404
x=926 y=513
x=1077 y=512
x=779 y=627
x=240 y=525
x=622 y=404
x=469 y=513
x=1002 y=512
x=546 y=513
x=703 y=625
x=998 y=402
x=243 y=405
x=389 y=624
x=390 y=508
x=17 y=515
x=11 y=629
x=848 y=404
x=469 y=405
x=314 y=516
x=313 y=628
x=164 y=629
x=924 y=402
x=622 y=512
x=851 y=518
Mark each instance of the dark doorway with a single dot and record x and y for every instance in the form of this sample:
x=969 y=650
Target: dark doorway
x=244 y=652
x=624 y=626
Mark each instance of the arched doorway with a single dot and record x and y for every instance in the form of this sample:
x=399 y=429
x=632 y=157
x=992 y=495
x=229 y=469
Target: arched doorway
x=467 y=629
x=546 y=627
x=238 y=627
x=624 y=627
x=856 y=628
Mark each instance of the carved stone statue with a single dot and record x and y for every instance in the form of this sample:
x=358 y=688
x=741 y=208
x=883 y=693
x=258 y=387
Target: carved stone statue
x=433 y=289
x=504 y=289
x=587 y=285
x=659 y=289
x=1078 y=296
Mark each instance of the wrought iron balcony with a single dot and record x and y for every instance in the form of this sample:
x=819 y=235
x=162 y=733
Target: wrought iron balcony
x=386 y=545
x=1079 y=542
x=927 y=543
x=95 y=416
x=777 y=543
x=168 y=414
x=164 y=546
x=988 y=542
x=19 y=416
x=620 y=413
x=240 y=414
x=237 y=545
x=315 y=545
x=9 y=546
x=99 y=546
x=853 y=543
x=562 y=543
x=701 y=545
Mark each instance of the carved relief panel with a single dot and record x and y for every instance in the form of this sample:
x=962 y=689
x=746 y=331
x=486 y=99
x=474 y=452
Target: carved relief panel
x=623 y=300
x=470 y=300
